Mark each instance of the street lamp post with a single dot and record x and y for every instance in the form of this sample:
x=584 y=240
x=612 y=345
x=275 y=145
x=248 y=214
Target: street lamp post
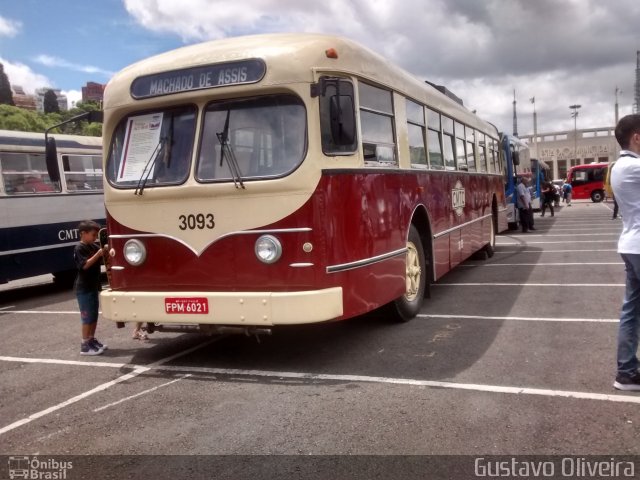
x=618 y=91
x=574 y=114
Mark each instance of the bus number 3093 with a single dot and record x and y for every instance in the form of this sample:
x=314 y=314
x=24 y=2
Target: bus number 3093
x=199 y=221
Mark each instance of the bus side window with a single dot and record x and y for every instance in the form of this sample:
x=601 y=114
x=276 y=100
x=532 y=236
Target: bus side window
x=376 y=122
x=416 y=131
x=599 y=174
x=448 y=142
x=82 y=172
x=25 y=173
x=580 y=177
x=434 y=140
x=482 y=152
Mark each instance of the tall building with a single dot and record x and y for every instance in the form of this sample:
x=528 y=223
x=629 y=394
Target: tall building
x=22 y=99
x=62 y=99
x=93 y=92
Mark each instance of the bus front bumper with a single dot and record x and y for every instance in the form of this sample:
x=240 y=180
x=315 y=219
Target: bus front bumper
x=223 y=308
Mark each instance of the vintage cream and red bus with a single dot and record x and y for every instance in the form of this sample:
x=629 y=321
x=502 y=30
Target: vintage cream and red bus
x=288 y=179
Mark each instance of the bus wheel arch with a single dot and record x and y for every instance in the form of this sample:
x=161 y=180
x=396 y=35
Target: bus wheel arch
x=418 y=270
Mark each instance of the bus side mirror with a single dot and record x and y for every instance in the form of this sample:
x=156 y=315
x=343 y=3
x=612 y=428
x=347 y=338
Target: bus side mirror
x=51 y=159
x=516 y=158
x=343 y=121
x=51 y=151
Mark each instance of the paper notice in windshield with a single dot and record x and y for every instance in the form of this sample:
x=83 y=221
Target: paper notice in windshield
x=141 y=139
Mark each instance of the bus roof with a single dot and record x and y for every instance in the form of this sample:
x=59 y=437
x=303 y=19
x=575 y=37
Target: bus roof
x=298 y=56
x=590 y=165
x=35 y=139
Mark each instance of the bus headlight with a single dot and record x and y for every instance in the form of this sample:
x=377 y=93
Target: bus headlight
x=134 y=252
x=268 y=249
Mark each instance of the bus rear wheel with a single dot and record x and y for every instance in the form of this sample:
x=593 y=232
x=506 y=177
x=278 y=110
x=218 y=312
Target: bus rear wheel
x=408 y=305
x=597 y=196
x=490 y=247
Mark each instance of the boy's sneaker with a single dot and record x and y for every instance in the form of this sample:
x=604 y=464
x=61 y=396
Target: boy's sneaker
x=94 y=341
x=627 y=382
x=87 y=348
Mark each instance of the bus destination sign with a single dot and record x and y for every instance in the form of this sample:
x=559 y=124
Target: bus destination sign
x=198 y=78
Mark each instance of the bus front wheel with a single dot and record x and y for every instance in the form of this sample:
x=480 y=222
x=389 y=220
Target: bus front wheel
x=597 y=196
x=408 y=305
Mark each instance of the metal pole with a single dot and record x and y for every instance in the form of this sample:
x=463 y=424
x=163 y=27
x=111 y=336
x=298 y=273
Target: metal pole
x=574 y=114
x=616 y=110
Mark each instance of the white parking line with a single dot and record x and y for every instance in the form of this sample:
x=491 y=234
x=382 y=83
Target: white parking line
x=487 y=284
x=356 y=378
x=521 y=319
x=72 y=400
x=136 y=371
x=139 y=394
x=556 y=251
x=55 y=361
x=570 y=234
x=542 y=264
x=544 y=242
x=589 y=228
x=410 y=382
x=45 y=312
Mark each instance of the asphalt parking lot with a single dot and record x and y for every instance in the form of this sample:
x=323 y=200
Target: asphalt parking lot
x=511 y=356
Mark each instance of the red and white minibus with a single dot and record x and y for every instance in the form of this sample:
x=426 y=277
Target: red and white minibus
x=288 y=179
x=587 y=181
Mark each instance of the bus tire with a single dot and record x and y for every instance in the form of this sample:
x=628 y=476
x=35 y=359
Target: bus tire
x=490 y=247
x=408 y=305
x=597 y=196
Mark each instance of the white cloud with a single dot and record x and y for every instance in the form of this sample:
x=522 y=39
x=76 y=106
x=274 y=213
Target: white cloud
x=9 y=28
x=57 y=62
x=560 y=51
x=20 y=74
x=73 y=97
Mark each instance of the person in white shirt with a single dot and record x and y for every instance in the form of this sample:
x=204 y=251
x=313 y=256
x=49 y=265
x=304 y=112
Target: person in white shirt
x=625 y=183
x=524 y=204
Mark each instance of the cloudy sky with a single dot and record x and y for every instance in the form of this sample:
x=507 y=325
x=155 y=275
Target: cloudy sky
x=561 y=52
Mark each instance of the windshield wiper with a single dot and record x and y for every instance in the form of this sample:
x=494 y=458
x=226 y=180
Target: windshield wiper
x=148 y=168
x=225 y=147
x=162 y=148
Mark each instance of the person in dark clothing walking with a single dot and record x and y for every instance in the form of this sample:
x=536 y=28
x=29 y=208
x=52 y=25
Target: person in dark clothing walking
x=548 y=196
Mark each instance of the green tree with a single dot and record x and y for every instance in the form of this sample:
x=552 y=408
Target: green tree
x=14 y=118
x=51 y=102
x=6 y=96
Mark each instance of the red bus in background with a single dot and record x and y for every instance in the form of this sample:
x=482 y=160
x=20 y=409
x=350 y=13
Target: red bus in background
x=587 y=181
x=288 y=179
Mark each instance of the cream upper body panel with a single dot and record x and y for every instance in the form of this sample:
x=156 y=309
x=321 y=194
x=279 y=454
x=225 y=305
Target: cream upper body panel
x=292 y=63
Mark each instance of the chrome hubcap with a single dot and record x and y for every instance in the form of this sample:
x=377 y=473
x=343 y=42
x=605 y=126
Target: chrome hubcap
x=413 y=272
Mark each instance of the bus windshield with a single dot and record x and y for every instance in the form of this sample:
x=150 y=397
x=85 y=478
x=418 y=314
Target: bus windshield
x=153 y=148
x=265 y=135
